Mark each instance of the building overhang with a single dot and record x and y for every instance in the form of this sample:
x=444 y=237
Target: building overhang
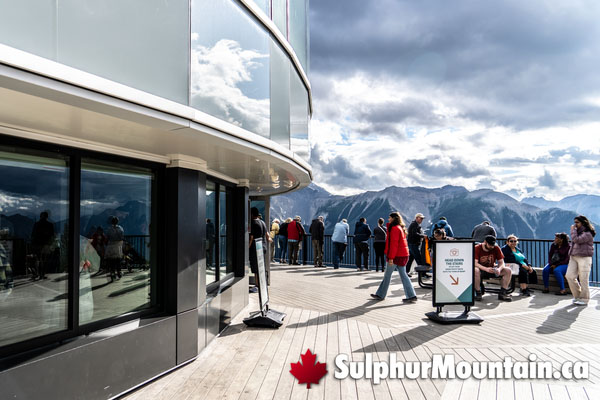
x=51 y=104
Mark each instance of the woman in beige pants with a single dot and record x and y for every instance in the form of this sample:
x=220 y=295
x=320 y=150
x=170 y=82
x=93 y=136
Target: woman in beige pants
x=580 y=264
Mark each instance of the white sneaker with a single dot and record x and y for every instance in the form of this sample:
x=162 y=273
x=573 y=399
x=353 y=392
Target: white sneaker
x=574 y=301
x=580 y=303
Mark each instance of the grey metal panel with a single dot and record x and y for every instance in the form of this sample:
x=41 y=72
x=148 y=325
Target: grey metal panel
x=201 y=327
x=184 y=239
x=202 y=226
x=98 y=369
x=213 y=314
x=187 y=336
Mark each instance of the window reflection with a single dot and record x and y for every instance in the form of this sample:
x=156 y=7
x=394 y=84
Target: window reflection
x=33 y=244
x=211 y=199
x=225 y=241
x=230 y=65
x=298 y=28
x=116 y=268
x=299 y=134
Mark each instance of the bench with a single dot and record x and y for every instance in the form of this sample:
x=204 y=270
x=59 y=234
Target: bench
x=421 y=270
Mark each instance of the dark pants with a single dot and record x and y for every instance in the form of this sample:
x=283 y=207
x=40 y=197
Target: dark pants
x=338 y=253
x=414 y=250
x=527 y=277
x=293 y=248
x=379 y=254
x=362 y=249
x=318 y=252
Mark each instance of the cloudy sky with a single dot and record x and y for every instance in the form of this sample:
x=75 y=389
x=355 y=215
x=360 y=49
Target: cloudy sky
x=502 y=95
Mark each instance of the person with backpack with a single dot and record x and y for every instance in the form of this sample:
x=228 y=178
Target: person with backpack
x=442 y=223
x=362 y=233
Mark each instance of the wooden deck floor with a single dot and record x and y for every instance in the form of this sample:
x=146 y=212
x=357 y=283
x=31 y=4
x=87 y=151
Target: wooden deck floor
x=330 y=312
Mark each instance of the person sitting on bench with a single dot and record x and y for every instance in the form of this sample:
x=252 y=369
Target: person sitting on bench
x=486 y=256
x=514 y=257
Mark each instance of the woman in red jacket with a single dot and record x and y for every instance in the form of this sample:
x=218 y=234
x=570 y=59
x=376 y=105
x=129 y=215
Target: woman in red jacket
x=396 y=250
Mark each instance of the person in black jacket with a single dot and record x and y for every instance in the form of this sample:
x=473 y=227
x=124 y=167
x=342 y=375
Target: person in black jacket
x=380 y=236
x=362 y=233
x=317 y=229
x=414 y=239
x=282 y=239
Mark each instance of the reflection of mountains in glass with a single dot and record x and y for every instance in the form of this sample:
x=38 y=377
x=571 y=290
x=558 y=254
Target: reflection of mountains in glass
x=134 y=217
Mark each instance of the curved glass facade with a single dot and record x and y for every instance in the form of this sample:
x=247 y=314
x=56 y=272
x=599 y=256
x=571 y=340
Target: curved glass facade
x=213 y=55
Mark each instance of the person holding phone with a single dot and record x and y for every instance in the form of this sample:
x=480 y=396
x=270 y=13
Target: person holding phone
x=489 y=262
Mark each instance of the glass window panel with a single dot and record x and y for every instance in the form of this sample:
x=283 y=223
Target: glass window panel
x=280 y=16
x=29 y=25
x=280 y=96
x=211 y=220
x=140 y=43
x=265 y=5
x=34 y=200
x=225 y=240
x=298 y=11
x=117 y=264
x=299 y=116
x=230 y=65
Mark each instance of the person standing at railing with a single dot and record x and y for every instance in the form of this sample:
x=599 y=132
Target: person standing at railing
x=340 y=241
x=580 y=262
x=558 y=262
x=481 y=231
x=273 y=233
x=362 y=233
x=282 y=241
x=380 y=235
x=295 y=235
x=415 y=238
x=317 y=230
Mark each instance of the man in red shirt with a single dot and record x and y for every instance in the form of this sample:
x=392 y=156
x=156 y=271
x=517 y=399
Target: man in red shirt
x=486 y=255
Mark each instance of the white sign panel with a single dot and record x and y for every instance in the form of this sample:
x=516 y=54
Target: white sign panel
x=453 y=273
x=263 y=293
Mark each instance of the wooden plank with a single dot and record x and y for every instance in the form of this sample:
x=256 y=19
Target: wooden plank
x=347 y=386
x=318 y=391
x=558 y=392
x=300 y=392
x=576 y=392
x=382 y=390
x=394 y=385
x=245 y=369
x=279 y=345
x=363 y=387
x=427 y=387
x=540 y=391
x=411 y=387
x=452 y=390
x=332 y=385
x=523 y=390
x=285 y=380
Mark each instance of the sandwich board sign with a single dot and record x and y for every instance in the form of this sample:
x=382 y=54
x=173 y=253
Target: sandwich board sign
x=453 y=279
x=266 y=317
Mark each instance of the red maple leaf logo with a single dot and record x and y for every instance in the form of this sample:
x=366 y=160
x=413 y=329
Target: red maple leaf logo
x=308 y=371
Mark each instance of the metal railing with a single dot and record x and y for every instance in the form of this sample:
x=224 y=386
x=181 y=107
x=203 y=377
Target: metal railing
x=536 y=251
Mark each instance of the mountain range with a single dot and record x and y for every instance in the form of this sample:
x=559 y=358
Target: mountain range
x=533 y=218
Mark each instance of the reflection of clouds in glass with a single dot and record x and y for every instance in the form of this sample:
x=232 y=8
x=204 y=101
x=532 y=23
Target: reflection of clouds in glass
x=32 y=206
x=301 y=147
x=217 y=74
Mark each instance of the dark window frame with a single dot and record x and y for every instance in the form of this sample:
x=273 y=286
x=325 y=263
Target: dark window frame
x=220 y=184
x=74 y=329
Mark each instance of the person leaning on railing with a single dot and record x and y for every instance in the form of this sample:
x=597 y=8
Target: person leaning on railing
x=580 y=263
x=558 y=260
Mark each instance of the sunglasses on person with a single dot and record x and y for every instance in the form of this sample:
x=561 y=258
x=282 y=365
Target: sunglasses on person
x=513 y=241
